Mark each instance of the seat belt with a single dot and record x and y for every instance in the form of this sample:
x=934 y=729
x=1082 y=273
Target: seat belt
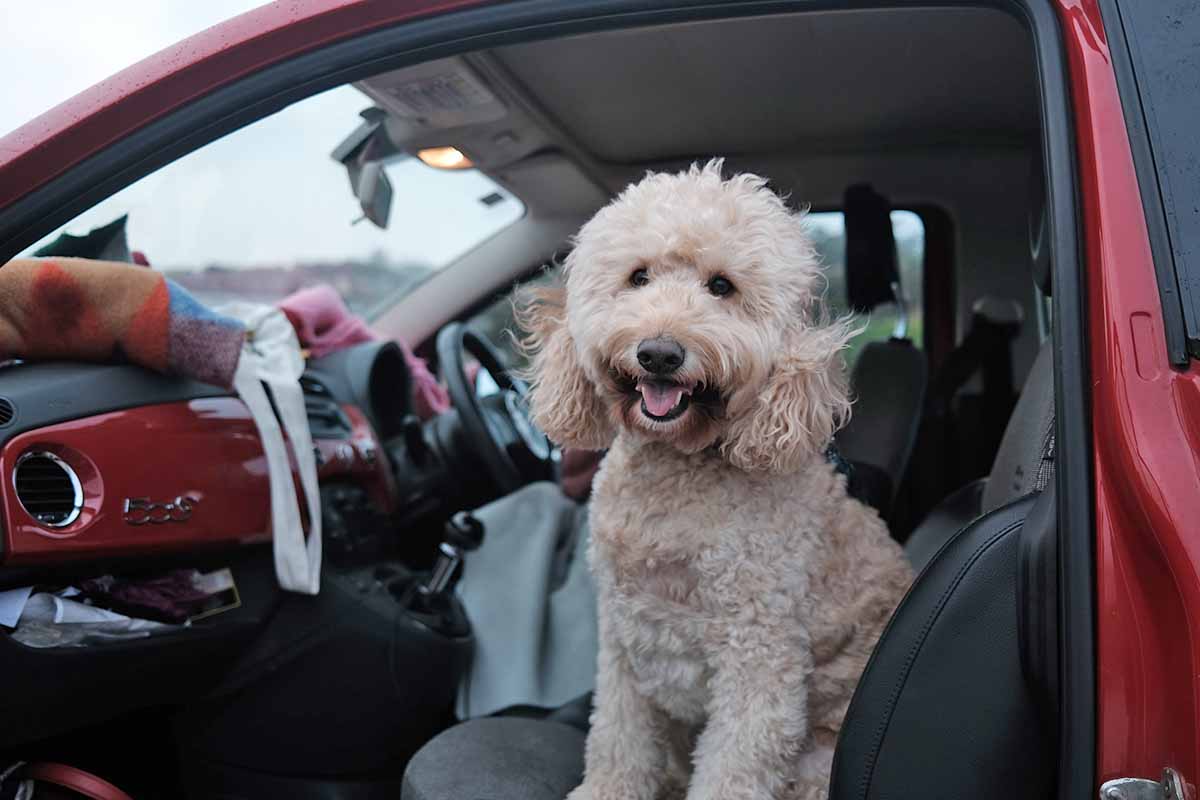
x=985 y=350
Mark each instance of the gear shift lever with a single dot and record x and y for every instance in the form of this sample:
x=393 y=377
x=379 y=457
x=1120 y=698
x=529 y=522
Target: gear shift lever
x=464 y=533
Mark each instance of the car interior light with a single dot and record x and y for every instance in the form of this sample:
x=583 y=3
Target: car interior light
x=444 y=158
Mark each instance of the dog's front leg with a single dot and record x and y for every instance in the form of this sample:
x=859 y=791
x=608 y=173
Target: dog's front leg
x=757 y=718
x=626 y=754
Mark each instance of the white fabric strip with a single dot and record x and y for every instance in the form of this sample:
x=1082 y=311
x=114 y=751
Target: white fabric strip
x=272 y=356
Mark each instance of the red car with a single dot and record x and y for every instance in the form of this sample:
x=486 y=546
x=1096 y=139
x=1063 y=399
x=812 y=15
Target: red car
x=1032 y=177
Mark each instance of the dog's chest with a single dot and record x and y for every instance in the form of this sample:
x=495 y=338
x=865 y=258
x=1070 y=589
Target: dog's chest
x=670 y=536
x=664 y=637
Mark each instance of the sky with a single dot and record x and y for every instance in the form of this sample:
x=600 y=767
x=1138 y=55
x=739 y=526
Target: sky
x=76 y=43
x=266 y=194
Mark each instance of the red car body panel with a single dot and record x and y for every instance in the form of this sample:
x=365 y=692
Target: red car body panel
x=226 y=481
x=1146 y=434
x=1145 y=415
x=52 y=143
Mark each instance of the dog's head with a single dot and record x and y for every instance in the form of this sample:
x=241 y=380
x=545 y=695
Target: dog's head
x=691 y=315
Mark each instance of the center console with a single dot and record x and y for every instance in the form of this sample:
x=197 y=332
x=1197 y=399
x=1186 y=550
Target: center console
x=343 y=688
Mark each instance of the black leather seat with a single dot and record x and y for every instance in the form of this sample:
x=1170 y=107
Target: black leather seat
x=950 y=705
x=889 y=378
x=888 y=382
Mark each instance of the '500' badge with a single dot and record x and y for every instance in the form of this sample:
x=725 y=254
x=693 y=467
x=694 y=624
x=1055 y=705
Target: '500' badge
x=140 y=511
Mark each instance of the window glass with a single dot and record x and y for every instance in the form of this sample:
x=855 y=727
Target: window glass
x=828 y=232
x=266 y=211
x=497 y=324
x=1164 y=43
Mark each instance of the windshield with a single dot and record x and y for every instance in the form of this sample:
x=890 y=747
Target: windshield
x=266 y=211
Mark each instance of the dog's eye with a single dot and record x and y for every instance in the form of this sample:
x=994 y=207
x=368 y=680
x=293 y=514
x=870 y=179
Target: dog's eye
x=640 y=277
x=720 y=286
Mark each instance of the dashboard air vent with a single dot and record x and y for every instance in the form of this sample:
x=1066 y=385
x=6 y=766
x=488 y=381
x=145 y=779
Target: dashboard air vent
x=8 y=411
x=48 y=489
x=325 y=416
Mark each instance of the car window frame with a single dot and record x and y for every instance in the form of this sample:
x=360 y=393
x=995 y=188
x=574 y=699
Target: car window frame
x=1178 y=278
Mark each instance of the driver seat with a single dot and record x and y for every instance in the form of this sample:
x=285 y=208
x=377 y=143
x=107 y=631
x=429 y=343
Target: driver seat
x=958 y=699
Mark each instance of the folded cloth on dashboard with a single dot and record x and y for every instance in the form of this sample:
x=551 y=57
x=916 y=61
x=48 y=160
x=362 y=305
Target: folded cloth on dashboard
x=173 y=596
x=324 y=325
x=81 y=310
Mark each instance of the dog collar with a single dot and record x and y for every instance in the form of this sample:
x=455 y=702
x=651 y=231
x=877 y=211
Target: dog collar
x=840 y=465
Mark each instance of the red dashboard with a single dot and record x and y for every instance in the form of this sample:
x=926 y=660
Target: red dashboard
x=171 y=476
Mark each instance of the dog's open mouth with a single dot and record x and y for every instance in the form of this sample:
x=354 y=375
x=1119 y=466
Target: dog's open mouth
x=662 y=400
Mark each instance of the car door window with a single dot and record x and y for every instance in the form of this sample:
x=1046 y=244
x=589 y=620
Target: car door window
x=266 y=210
x=1164 y=47
x=497 y=323
x=828 y=232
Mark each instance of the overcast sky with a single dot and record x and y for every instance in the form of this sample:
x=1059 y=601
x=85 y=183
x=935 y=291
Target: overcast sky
x=54 y=49
x=268 y=193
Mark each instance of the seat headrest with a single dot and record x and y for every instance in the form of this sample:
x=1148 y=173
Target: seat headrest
x=1039 y=227
x=870 y=248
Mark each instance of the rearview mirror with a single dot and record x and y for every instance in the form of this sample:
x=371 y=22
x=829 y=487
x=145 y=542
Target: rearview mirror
x=364 y=153
x=374 y=192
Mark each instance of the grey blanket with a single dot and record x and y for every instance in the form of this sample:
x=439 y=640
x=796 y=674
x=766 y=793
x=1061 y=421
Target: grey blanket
x=532 y=605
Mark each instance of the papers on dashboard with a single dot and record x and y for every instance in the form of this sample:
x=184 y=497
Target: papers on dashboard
x=70 y=617
x=12 y=603
x=52 y=620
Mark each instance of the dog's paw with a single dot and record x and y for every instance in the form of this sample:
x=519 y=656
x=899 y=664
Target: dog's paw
x=581 y=792
x=619 y=789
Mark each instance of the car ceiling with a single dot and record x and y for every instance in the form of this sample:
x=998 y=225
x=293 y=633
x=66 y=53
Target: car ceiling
x=824 y=81
x=811 y=82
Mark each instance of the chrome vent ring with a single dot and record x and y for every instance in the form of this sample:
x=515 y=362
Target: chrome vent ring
x=48 y=489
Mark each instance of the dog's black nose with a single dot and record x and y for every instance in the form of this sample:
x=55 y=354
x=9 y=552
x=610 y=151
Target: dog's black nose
x=661 y=356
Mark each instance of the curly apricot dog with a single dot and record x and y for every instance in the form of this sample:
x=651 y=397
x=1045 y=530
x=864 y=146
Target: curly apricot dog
x=740 y=589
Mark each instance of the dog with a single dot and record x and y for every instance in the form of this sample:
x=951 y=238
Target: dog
x=740 y=589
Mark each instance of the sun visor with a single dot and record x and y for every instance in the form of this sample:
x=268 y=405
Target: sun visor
x=437 y=95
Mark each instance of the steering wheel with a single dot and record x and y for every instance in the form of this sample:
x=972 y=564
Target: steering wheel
x=513 y=449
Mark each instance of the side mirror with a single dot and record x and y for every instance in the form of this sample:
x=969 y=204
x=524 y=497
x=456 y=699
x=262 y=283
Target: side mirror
x=364 y=153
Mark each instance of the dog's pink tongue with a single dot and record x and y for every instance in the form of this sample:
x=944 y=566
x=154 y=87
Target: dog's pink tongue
x=660 y=398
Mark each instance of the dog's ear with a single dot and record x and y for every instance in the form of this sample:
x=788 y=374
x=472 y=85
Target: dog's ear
x=562 y=398
x=799 y=406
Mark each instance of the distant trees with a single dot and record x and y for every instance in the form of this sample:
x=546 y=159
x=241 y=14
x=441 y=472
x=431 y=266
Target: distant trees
x=364 y=285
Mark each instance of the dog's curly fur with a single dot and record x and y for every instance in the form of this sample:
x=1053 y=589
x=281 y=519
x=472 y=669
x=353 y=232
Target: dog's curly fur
x=741 y=590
